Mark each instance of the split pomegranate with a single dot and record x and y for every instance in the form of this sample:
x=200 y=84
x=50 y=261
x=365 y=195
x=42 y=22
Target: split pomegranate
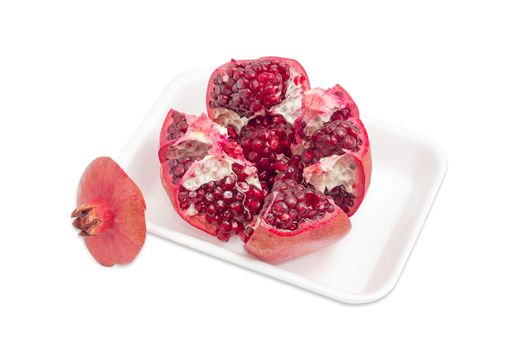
x=110 y=213
x=275 y=163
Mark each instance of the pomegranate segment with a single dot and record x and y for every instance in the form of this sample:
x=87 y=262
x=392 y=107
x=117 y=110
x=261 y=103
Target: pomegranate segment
x=264 y=141
x=210 y=186
x=293 y=204
x=110 y=213
x=320 y=106
x=241 y=90
x=297 y=221
x=194 y=141
x=341 y=177
x=221 y=205
x=334 y=142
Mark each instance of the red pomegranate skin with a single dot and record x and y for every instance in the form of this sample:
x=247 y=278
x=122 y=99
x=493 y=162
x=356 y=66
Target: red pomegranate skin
x=110 y=213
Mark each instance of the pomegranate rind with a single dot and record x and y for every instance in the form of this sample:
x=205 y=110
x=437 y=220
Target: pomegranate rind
x=106 y=186
x=319 y=104
x=274 y=246
x=200 y=129
x=294 y=65
x=321 y=174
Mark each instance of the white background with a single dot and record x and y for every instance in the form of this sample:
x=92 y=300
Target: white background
x=77 y=79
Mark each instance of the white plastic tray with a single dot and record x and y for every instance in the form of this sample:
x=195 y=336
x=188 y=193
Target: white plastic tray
x=407 y=172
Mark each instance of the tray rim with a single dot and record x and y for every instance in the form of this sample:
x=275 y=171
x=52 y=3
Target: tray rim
x=271 y=270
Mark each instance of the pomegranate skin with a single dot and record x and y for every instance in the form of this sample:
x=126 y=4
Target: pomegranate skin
x=274 y=246
x=366 y=166
x=109 y=197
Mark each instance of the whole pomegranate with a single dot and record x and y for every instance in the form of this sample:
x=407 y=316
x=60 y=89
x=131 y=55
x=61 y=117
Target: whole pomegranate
x=274 y=162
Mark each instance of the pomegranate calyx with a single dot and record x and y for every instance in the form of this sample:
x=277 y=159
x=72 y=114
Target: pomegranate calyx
x=88 y=219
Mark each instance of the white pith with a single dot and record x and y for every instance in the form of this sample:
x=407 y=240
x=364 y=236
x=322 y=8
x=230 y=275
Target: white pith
x=290 y=107
x=221 y=129
x=210 y=168
x=214 y=168
x=188 y=148
x=227 y=117
x=322 y=105
x=331 y=172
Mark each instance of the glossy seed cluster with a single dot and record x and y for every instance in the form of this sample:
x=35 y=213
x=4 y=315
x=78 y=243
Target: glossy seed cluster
x=250 y=88
x=335 y=137
x=228 y=204
x=341 y=197
x=289 y=169
x=294 y=204
x=178 y=128
x=263 y=139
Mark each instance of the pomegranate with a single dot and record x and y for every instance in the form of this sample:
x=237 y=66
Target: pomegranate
x=264 y=141
x=110 y=213
x=296 y=220
x=277 y=164
x=241 y=90
x=210 y=185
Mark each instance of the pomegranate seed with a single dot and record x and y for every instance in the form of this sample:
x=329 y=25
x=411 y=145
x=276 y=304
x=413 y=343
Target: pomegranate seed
x=237 y=208
x=291 y=200
x=218 y=192
x=279 y=207
x=253 y=204
x=220 y=206
x=228 y=182
x=211 y=210
x=228 y=197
